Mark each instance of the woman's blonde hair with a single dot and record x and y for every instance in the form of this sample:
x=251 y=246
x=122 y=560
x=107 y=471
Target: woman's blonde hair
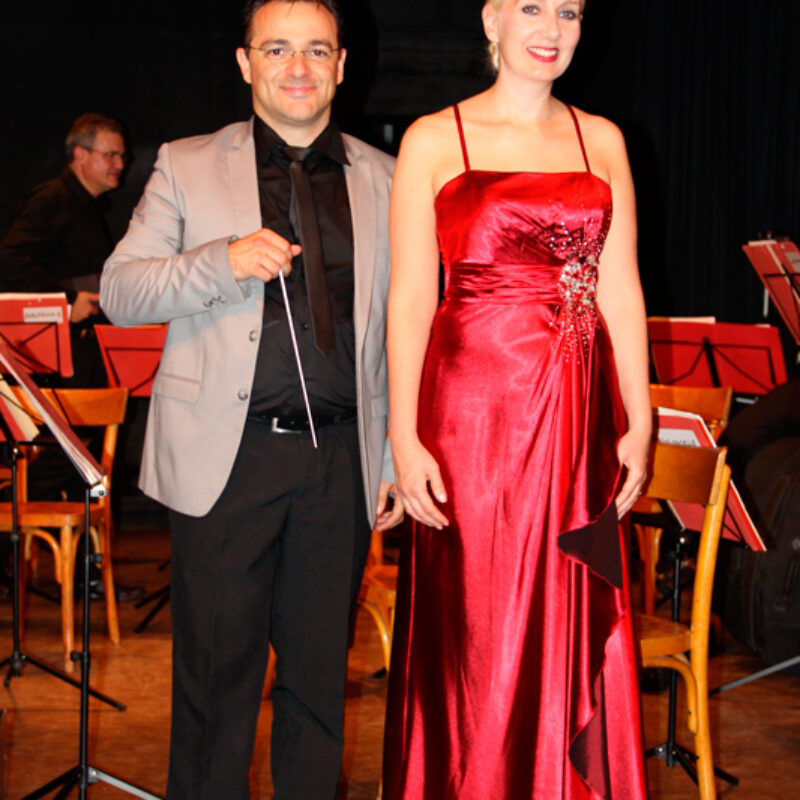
x=493 y=48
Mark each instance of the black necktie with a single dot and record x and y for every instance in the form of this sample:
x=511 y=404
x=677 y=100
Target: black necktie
x=303 y=216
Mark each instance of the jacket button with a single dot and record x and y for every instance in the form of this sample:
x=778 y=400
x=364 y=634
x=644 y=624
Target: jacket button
x=243 y=394
x=253 y=335
x=305 y=326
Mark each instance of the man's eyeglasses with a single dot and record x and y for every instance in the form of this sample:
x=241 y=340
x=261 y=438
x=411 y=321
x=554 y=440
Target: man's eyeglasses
x=320 y=54
x=111 y=155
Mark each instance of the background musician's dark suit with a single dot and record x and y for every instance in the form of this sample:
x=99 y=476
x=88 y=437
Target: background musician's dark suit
x=269 y=536
x=59 y=239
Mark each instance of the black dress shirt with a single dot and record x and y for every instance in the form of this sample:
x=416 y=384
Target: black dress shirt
x=330 y=378
x=58 y=242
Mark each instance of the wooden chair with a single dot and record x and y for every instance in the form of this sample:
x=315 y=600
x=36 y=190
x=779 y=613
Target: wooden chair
x=713 y=404
x=694 y=475
x=378 y=594
x=81 y=408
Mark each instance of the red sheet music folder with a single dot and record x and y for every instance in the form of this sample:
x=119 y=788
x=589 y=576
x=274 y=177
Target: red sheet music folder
x=132 y=355
x=778 y=266
x=704 y=352
x=36 y=328
x=684 y=428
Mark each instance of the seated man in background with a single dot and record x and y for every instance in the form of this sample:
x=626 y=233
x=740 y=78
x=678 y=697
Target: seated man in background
x=57 y=243
x=59 y=240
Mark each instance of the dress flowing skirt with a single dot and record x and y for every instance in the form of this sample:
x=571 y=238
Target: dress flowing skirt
x=513 y=671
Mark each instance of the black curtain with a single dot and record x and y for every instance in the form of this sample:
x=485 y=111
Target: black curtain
x=705 y=91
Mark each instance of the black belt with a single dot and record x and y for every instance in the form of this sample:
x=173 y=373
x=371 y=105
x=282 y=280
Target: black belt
x=299 y=423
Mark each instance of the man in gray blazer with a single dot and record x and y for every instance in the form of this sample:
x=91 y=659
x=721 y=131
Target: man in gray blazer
x=269 y=534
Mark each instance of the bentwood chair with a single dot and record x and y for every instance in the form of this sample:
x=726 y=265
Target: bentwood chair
x=378 y=594
x=713 y=405
x=693 y=475
x=80 y=408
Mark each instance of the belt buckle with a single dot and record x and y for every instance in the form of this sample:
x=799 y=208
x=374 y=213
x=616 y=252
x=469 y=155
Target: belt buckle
x=275 y=428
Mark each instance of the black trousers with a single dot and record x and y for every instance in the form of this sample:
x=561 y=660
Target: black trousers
x=278 y=559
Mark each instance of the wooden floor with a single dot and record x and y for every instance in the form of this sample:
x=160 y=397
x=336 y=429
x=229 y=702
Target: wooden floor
x=757 y=726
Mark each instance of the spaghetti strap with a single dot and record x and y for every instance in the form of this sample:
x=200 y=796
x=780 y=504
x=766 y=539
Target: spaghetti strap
x=461 y=136
x=580 y=138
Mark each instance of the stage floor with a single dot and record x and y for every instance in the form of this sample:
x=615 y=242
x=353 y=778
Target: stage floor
x=756 y=727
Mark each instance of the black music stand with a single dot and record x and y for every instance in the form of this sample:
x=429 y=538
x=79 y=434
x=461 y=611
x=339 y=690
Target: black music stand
x=83 y=774
x=776 y=263
x=787 y=302
x=705 y=352
x=16 y=660
x=11 y=433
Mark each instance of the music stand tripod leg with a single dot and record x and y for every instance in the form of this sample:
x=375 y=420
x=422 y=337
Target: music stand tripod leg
x=96 y=775
x=762 y=673
x=162 y=598
x=84 y=774
x=67 y=781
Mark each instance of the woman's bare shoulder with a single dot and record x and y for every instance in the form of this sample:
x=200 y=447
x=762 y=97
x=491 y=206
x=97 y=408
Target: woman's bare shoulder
x=600 y=132
x=431 y=129
x=605 y=146
x=430 y=149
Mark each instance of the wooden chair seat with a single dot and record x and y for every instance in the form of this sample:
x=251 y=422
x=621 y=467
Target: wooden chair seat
x=662 y=637
x=55 y=513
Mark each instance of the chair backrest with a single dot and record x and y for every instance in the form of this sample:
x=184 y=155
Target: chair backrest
x=92 y=408
x=712 y=403
x=695 y=475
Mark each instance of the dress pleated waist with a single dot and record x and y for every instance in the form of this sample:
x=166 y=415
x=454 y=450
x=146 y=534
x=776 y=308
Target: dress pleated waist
x=517 y=283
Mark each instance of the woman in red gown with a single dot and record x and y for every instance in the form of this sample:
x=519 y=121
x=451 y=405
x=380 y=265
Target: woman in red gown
x=520 y=424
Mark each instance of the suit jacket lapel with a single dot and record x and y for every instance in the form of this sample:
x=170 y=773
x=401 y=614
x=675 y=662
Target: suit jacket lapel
x=365 y=236
x=241 y=158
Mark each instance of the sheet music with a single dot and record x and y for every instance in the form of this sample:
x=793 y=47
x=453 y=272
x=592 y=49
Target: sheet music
x=28 y=429
x=688 y=429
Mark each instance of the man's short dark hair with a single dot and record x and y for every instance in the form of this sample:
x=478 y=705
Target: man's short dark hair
x=252 y=6
x=85 y=129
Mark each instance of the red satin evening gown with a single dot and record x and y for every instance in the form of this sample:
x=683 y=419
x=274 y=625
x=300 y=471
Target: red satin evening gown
x=513 y=673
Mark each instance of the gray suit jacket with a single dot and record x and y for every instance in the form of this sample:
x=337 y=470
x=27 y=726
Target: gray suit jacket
x=172 y=266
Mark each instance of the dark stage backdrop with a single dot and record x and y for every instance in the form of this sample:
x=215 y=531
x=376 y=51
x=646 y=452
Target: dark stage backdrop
x=706 y=92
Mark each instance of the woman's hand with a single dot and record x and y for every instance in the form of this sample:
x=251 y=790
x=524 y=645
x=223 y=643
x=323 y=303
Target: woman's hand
x=632 y=452
x=390 y=507
x=418 y=482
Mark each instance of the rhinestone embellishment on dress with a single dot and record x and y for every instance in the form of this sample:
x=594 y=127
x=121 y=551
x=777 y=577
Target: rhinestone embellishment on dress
x=578 y=284
x=577 y=315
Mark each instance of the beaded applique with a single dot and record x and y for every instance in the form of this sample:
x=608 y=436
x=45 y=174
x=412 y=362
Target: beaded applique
x=577 y=314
